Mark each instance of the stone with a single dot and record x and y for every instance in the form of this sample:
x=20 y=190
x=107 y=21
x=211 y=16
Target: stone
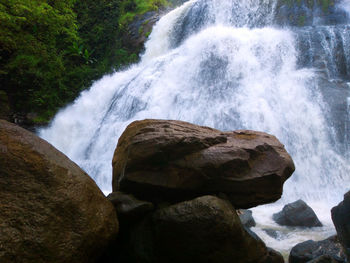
x=312 y=250
x=129 y=207
x=205 y=229
x=175 y=161
x=246 y=217
x=324 y=259
x=297 y=213
x=341 y=220
x=273 y=233
x=273 y=256
x=50 y=209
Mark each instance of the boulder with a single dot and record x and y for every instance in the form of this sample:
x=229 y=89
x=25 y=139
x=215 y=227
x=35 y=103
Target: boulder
x=176 y=161
x=128 y=207
x=341 y=220
x=324 y=259
x=273 y=256
x=50 y=209
x=297 y=213
x=246 y=217
x=206 y=229
x=312 y=250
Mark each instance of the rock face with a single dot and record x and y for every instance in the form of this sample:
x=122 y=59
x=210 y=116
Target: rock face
x=175 y=160
x=50 y=210
x=246 y=217
x=297 y=213
x=206 y=229
x=128 y=207
x=341 y=220
x=312 y=250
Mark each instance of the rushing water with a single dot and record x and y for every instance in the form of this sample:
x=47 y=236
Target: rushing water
x=232 y=65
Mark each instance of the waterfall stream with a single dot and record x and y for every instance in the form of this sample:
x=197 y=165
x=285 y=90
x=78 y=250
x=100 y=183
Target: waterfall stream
x=231 y=64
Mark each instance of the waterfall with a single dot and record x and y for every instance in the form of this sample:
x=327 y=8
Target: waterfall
x=229 y=65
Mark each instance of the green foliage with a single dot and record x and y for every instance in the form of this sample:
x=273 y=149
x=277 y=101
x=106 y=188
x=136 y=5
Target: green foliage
x=50 y=50
x=131 y=8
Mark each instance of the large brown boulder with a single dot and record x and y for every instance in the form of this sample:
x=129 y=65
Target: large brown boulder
x=50 y=210
x=341 y=220
x=206 y=229
x=174 y=160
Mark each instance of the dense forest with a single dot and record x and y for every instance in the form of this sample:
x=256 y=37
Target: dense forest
x=50 y=50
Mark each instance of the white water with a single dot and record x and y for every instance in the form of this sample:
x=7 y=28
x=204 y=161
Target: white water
x=223 y=76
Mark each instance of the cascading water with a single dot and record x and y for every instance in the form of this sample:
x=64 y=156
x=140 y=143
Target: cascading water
x=227 y=64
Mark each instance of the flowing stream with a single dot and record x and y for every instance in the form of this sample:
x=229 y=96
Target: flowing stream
x=234 y=64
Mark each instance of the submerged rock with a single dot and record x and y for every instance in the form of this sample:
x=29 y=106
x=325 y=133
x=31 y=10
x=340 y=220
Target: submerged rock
x=312 y=250
x=175 y=161
x=206 y=229
x=297 y=213
x=341 y=220
x=50 y=209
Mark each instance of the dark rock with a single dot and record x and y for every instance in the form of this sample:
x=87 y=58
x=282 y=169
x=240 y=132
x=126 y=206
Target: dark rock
x=324 y=259
x=206 y=229
x=175 y=161
x=297 y=214
x=246 y=217
x=341 y=220
x=310 y=250
x=139 y=29
x=273 y=256
x=129 y=207
x=273 y=233
x=51 y=210
x=309 y=13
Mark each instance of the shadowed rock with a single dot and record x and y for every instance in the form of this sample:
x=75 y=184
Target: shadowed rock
x=297 y=213
x=341 y=220
x=312 y=250
x=206 y=229
x=174 y=161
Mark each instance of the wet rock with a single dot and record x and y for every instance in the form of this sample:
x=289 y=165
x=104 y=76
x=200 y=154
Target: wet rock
x=273 y=233
x=175 y=161
x=51 y=210
x=341 y=220
x=206 y=229
x=139 y=29
x=273 y=256
x=297 y=213
x=246 y=217
x=309 y=13
x=324 y=259
x=129 y=207
x=311 y=250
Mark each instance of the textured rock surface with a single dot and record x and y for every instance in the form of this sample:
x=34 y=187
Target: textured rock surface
x=174 y=160
x=128 y=207
x=312 y=250
x=246 y=217
x=273 y=256
x=50 y=210
x=297 y=213
x=206 y=229
x=341 y=220
x=324 y=259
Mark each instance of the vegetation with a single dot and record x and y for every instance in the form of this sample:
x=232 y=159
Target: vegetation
x=50 y=50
